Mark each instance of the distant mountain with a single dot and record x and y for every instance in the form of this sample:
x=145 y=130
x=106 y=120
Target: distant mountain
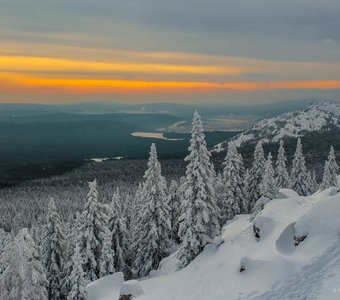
x=320 y=117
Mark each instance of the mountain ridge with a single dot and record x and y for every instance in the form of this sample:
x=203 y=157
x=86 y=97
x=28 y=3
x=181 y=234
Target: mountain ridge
x=316 y=117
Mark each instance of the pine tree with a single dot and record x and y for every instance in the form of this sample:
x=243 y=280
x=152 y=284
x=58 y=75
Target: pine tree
x=174 y=204
x=106 y=259
x=314 y=182
x=154 y=223
x=92 y=237
x=220 y=193
x=256 y=176
x=199 y=220
x=246 y=200
x=282 y=176
x=22 y=275
x=331 y=169
x=76 y=279
x=268 y=184
x=117 y=226
x=53 y=250
x=299 y=175
x=310 y=182
x=233 y=180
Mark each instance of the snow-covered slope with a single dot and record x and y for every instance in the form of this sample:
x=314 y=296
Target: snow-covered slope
x=316 y=117
x=296 y=256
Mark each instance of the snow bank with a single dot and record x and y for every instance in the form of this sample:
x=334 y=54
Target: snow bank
x=131 y=288
x=296 y=256
x=107 y=288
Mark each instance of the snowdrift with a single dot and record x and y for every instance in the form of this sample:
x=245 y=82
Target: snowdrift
x=291 y=250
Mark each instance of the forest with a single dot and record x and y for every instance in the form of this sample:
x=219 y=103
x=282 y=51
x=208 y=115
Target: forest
x=126 y=216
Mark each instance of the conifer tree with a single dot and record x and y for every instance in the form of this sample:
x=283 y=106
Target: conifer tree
x=299 y=176
x=268 y=185
x=314 y=182
x=106 y=259
x=76 y=279
x=22 y=275
x=174 y=204
x=220 y=194
x=199 y=219
x=282 y=176
x=330 y=173
x=53 y=250
x=117 y=226
x=256 y=176
x=246 y=200
x=233 y=180
x=92 y=237
x=154 y=223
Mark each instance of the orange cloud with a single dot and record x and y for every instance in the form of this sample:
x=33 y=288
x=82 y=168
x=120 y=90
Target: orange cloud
x=16 y=83
x=47 y=64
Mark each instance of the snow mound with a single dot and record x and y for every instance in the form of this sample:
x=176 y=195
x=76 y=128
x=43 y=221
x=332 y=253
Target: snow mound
x=131 y=288
x=296 y=256
x=107 y=288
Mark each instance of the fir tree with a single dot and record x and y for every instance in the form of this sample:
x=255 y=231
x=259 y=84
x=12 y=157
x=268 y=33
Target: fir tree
x=53 y=250
x=154 y=223
x=311 y=186
x=246 y=200
x=314 y=182
x=282 y=176
x=22 y=275
x=174 y=204
x=117 y=226
x=76 y=279
x=220 y=193
x=106 y=259
x=330 y=173
x=268 y=185
x=299 y=176
x=92 y=237
x=199 y=220
x=233 y=180
x=256 y=176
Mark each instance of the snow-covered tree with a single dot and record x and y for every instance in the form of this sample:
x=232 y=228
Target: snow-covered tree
x=76 y=280
x=154 y=223
x=256 y=176
x=106 y=259
x=174 y=204
x=119 y=233
x=282 y=176
x=246 y=200
x=330 y=173
x=22 y=275
x=233 y=179
x=299 y=176
x=315 y=184
x=53 y=251
x=268 y=185
x=220 y=192
x=199 y=219
x=93 y=235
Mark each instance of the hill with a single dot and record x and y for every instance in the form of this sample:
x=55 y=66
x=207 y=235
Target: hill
x=291 y=250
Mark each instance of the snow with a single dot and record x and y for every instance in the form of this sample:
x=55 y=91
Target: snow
x=269 y=267
x=131 y=287
x=107 y=288
x=316 y=117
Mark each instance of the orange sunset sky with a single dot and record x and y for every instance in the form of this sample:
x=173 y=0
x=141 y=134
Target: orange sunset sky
x=204 y=51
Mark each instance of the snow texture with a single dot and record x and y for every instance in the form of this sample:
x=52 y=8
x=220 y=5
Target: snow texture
x=273 y=266
x=316 y=117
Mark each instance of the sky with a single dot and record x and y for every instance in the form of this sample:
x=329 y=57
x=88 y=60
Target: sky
x=205 y=51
